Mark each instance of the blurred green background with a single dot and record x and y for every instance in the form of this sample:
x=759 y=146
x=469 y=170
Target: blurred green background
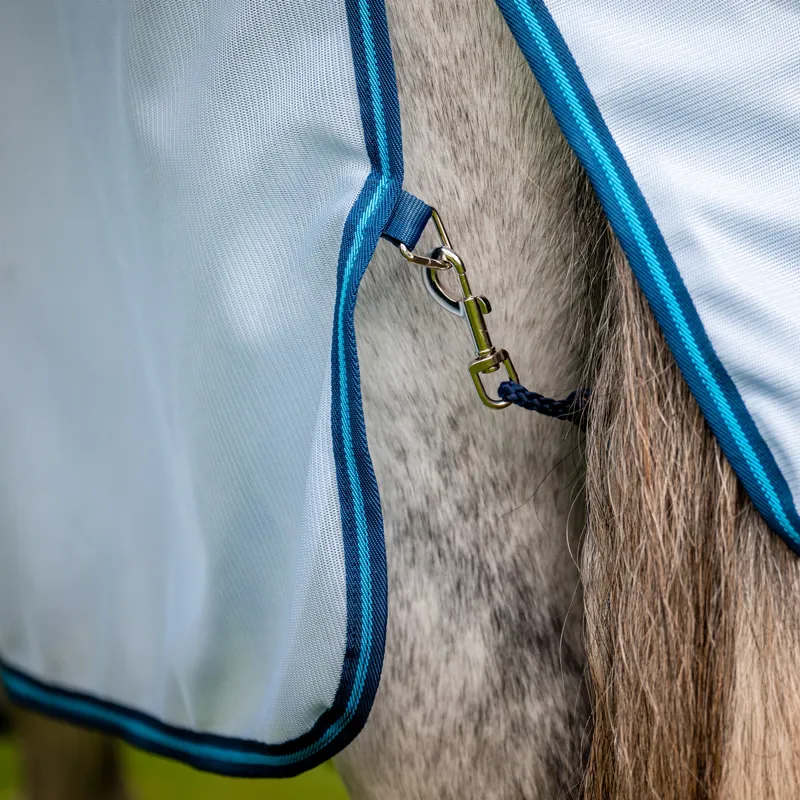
x=154 y=778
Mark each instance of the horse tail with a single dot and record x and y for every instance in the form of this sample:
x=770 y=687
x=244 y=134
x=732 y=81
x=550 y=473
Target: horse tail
x=692 y=604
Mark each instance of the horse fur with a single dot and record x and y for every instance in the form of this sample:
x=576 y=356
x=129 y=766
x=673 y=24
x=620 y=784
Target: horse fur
x=691 y=633
x=481 y=694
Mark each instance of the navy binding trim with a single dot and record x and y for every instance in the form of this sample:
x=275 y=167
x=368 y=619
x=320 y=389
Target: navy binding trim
x=362 y=523
x=408 y=221
x=652 y=263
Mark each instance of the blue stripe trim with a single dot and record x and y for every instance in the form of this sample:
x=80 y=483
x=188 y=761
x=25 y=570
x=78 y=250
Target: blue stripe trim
x=652 y=263
x=362 y=523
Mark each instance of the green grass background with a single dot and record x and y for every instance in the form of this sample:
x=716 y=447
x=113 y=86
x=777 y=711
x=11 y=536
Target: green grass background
x=154 y=778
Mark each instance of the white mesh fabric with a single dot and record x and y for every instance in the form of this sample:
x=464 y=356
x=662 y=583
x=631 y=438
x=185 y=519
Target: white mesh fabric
x=175 y=181
x=701 y=97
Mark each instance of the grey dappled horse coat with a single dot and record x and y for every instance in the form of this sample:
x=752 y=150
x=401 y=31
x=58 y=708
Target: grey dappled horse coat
x=481 y=692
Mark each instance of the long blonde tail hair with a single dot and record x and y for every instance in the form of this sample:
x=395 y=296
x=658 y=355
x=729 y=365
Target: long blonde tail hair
x=692 y=604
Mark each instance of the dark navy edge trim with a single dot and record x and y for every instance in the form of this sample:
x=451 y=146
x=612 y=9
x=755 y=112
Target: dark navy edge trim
x=209 y=752
x=362 y=522
x=652 y=263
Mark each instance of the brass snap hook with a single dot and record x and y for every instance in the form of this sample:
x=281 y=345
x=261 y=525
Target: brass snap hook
x=473 y=308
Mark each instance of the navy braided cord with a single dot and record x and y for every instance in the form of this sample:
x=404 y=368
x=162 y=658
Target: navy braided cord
x=571 y=408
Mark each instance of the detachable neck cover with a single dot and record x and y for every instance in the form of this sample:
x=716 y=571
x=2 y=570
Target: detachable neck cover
x=686 y=115
x=192 y=548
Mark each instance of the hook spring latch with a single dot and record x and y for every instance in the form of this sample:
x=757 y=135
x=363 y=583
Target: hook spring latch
x=473 y=308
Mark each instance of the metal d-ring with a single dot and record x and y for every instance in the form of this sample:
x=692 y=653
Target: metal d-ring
x=431 y=262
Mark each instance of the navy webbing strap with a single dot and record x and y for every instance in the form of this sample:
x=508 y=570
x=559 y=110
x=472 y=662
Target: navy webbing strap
x=408 y=220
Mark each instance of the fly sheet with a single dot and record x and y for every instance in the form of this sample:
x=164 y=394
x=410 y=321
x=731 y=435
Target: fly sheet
x=192 y=550
x=686 y=116
x=192 y=547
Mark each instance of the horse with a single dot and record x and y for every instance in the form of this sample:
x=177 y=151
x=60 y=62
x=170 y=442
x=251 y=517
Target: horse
x=571 y=615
